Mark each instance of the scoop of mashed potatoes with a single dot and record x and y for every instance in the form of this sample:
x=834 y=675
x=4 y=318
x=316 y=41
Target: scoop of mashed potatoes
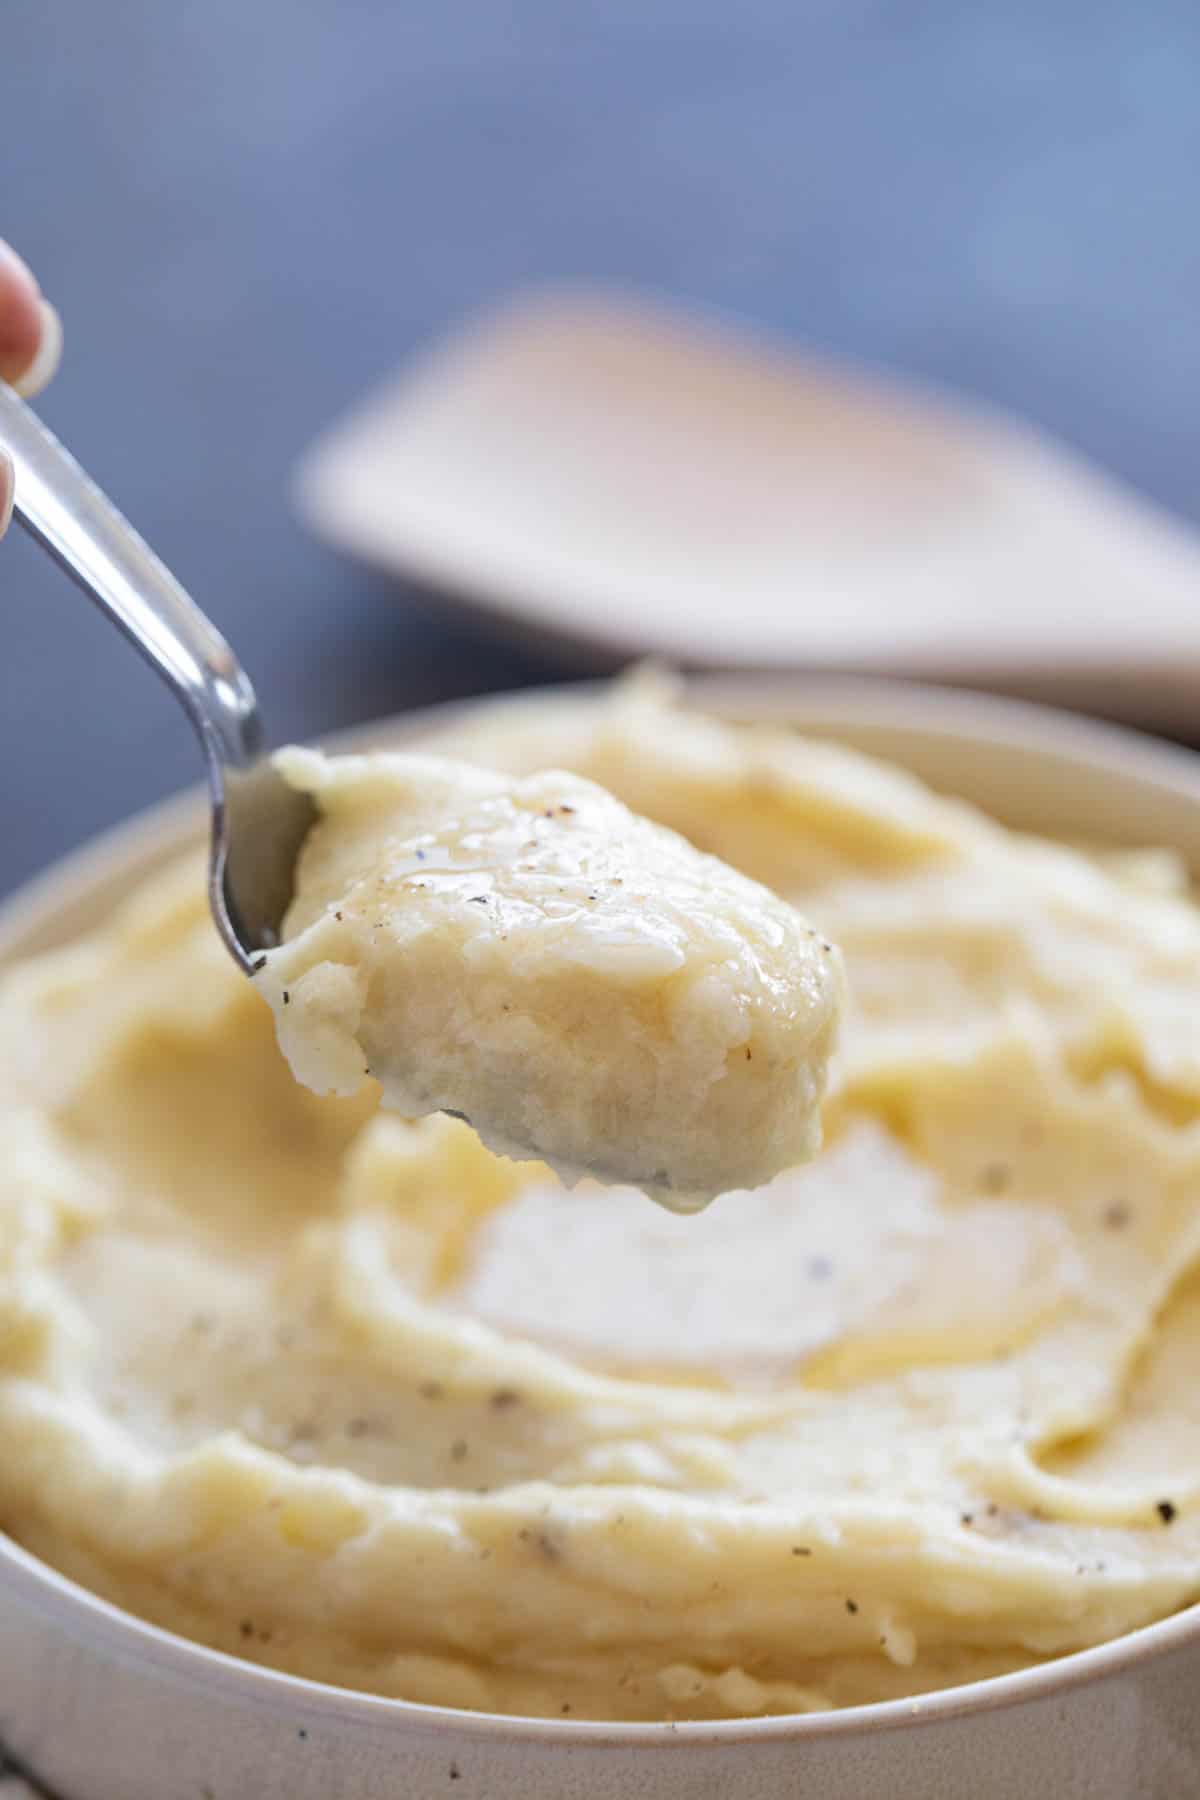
x=583 y=986
x=352 y=1397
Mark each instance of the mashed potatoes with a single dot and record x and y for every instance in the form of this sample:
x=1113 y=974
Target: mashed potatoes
x=581 y=984
x=355 y=1398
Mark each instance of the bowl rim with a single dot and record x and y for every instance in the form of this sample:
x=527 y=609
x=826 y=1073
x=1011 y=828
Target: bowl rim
x=885 y=701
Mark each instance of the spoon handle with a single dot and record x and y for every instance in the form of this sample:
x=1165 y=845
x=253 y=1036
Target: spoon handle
x=62 y=507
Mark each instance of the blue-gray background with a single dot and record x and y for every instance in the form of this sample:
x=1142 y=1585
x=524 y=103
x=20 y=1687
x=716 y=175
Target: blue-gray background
x=247 y=210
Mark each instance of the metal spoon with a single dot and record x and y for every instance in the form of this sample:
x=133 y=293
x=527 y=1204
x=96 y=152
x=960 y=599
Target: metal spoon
x=258 y=822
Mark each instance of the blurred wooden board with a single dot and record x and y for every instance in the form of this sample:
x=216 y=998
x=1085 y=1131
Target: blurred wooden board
x=638 y=482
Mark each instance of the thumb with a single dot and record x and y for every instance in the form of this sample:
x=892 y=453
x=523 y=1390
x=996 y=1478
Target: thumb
x=30 y=329
x=21 y=325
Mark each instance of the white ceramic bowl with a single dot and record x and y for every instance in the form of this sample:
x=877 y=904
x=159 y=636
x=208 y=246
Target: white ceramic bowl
x=104 y=1707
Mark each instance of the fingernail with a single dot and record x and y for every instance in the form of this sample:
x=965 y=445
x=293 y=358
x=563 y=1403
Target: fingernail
x=9 y=255
x=49 y=355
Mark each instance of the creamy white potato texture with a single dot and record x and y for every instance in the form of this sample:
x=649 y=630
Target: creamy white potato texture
x=355 y=1398
x=582 y=985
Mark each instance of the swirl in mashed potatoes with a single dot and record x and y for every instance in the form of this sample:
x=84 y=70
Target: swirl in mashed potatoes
x=354 y=1397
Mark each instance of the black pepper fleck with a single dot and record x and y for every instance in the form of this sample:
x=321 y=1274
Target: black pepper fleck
x=801 y=1550
x=302 y=1733
x=967 y=1519
x=259 y=962
x=454 y=1771
x=247 y=1628
x=1116 y=1216
x=996 y=1178
x=504 y=1397
x=338 y=917
x=1166 y=1510
x=852 y=1606
x=287 y=998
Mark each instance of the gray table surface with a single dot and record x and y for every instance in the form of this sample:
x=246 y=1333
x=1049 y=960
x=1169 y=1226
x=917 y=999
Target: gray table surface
x=247 y=213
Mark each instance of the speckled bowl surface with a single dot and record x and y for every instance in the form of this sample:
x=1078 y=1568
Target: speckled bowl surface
x=104 y=1707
